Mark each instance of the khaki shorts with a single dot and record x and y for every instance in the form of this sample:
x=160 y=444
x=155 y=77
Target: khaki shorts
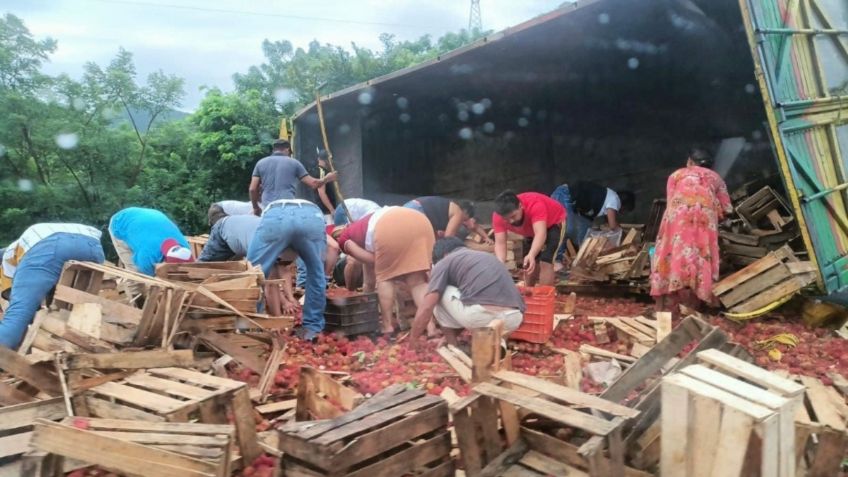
x=452 y=313
x=125 y=253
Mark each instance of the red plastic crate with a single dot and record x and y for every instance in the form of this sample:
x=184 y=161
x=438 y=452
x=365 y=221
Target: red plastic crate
x=538 y=324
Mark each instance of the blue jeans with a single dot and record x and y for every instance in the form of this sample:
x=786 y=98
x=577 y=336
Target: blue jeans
x=576 y=225
x=414 y=205
x=300 y=276
x=301 y=227
x=339 y=217
x=37 y=274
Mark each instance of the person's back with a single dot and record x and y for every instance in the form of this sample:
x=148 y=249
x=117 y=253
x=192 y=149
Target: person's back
x=236 y=207
x=279 y=175
x=437 y=210
x=144 y=231
x=589 y=198
x=480 y=277
x=237 y=231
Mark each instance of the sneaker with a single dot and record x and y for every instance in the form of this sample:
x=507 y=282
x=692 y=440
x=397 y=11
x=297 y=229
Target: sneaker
x=305 y=334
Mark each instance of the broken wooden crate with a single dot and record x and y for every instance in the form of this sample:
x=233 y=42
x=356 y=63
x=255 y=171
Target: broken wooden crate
x=118 y=306
x=397 y=432
x=196 y=244
x=775 y=277
x=735 y=420
x=16 y=429
x=321 y=397
x=175 y=395
x=220 y=287
x=138 y=448
x=765 y=209
x=821 y=438
x=638 y=386
x=533 y=412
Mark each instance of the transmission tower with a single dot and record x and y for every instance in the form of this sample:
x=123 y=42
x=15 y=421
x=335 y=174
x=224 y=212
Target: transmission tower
x=475 y=21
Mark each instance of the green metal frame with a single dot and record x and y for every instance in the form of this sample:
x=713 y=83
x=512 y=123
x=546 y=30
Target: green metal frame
x=786 y=37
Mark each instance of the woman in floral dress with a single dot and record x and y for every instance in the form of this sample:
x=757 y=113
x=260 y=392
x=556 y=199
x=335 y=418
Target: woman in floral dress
x=686 y=256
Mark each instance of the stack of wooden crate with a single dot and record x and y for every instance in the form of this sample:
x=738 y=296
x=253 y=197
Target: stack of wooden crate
x=770 y=279
x=221 y=288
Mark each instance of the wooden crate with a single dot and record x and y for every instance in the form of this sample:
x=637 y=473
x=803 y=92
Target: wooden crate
x=196 y=243
x=397 y=432
x=175 y=395
x=765 y=209
x=138 y=448
x=321 y=397
x=771 y=278
x=716 y=424
x=16 y=430
x=220 y=287
x=532 y=448
x=117 y=306
x=638 y=386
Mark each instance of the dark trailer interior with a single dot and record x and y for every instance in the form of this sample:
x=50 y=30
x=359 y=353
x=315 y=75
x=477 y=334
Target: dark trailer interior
x=615 y=91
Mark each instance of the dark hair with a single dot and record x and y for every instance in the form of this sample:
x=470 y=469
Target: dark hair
x=701 y=157
x=281 y=144
x=628 y=200
x=216 y=213
x=445 y=246
x=506 y=202
x=323 y=155
x=468 y=207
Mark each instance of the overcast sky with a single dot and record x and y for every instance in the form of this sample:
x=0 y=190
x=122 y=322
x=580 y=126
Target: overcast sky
x=206 y=41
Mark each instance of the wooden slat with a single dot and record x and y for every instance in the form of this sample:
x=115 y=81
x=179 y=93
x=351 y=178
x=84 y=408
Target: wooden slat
x=106 y=409
x=242 y=356
x=774 y=293
x=378 y=419
x=562 y=393
x=132 y=359
x=35 y=375
x=755 y=411
x=151 y=401
x=748 y=371
x=155 y=438
x=706 y=421
x=462 y=368
x=96 y=424
x=22 y=415
x=113 y=311
x=735 y=386
x=409 y=459
x=565 y=415
x=747 y=273
x=675 y=429
x=168 y=386
x=15 y=444
x=197 y=378
x=755 y=285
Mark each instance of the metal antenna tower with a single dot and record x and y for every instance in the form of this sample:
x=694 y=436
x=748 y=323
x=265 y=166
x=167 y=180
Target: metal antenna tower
x=475 y=21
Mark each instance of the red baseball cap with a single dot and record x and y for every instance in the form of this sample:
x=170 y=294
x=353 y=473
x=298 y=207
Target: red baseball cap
x=175 y=253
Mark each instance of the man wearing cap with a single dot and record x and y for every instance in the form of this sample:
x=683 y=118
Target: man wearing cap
x=31 y=268
x=275 y=177
x=144 y=237
x=326 y=195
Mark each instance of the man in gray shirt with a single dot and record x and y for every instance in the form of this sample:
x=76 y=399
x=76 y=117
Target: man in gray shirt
x=229 y=238
x=468 y=289
x=275 y=177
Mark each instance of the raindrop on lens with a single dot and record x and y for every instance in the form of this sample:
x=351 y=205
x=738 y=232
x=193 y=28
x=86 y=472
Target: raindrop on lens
x=344 y=128
x=749 y=88
x=633 y=63
x=523 y=122
x=2 y=150
x=465 y=133
x=478 y=108
x=365 y=98
x=67 y=140
x=462 y=116
x=284 y=95
x=489 y=127
x=603 y=18
x=402 y=102
x=25 y=185
x=404 y=117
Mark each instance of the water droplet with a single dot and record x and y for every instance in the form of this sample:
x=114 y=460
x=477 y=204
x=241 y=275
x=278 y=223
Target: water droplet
x=265 y=138
x=2 y=150
x=757 y=135
x=402 y=102
x=478 y=108
x=465 y=133
x=78 y=104
x=633 y=63
x=365 y=98
x=603 y=18
x=486 y=102
x=489 y=127
x=404 y=117
x=462 y=115
x=525 y=111
x=24 y=185
x=523 y=122
x=67 y=140
x=285 y=95
x=344 y=128
x=462 y=106
x=749 y=88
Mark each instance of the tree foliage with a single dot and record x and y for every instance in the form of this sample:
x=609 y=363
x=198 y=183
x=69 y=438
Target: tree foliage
x=79 y=150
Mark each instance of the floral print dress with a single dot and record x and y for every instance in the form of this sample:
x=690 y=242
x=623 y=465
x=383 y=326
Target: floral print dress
x=686 y=253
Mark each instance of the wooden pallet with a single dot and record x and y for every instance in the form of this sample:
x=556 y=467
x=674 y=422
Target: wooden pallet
x=321 y=397
x=175 y=395
x=137 y=448
x=114 y=305
x=16 y=430
x=397 y=432
x=774 y=277
x=639 y=385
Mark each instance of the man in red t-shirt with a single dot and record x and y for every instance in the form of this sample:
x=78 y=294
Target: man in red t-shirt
x=534 y=216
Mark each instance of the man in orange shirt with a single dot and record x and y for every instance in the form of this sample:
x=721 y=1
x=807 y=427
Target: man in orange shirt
x=538 y=218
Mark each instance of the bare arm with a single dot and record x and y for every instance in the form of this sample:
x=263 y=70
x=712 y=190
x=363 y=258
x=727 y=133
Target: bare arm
x=612 y=219
x=318 y=183
x=359 y=253
x=540 y=234
x=479 y=230
x=253 y=190
x=325 y=199
x=423 y=315
x=500 y=246
x=332 y=256
x=454 y=221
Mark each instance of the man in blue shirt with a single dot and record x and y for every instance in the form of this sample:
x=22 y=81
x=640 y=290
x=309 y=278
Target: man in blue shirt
x=275 y=177
x=144 y=237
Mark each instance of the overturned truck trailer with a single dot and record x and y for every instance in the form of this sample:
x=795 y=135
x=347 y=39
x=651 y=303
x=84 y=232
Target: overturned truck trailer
x=616 y=91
